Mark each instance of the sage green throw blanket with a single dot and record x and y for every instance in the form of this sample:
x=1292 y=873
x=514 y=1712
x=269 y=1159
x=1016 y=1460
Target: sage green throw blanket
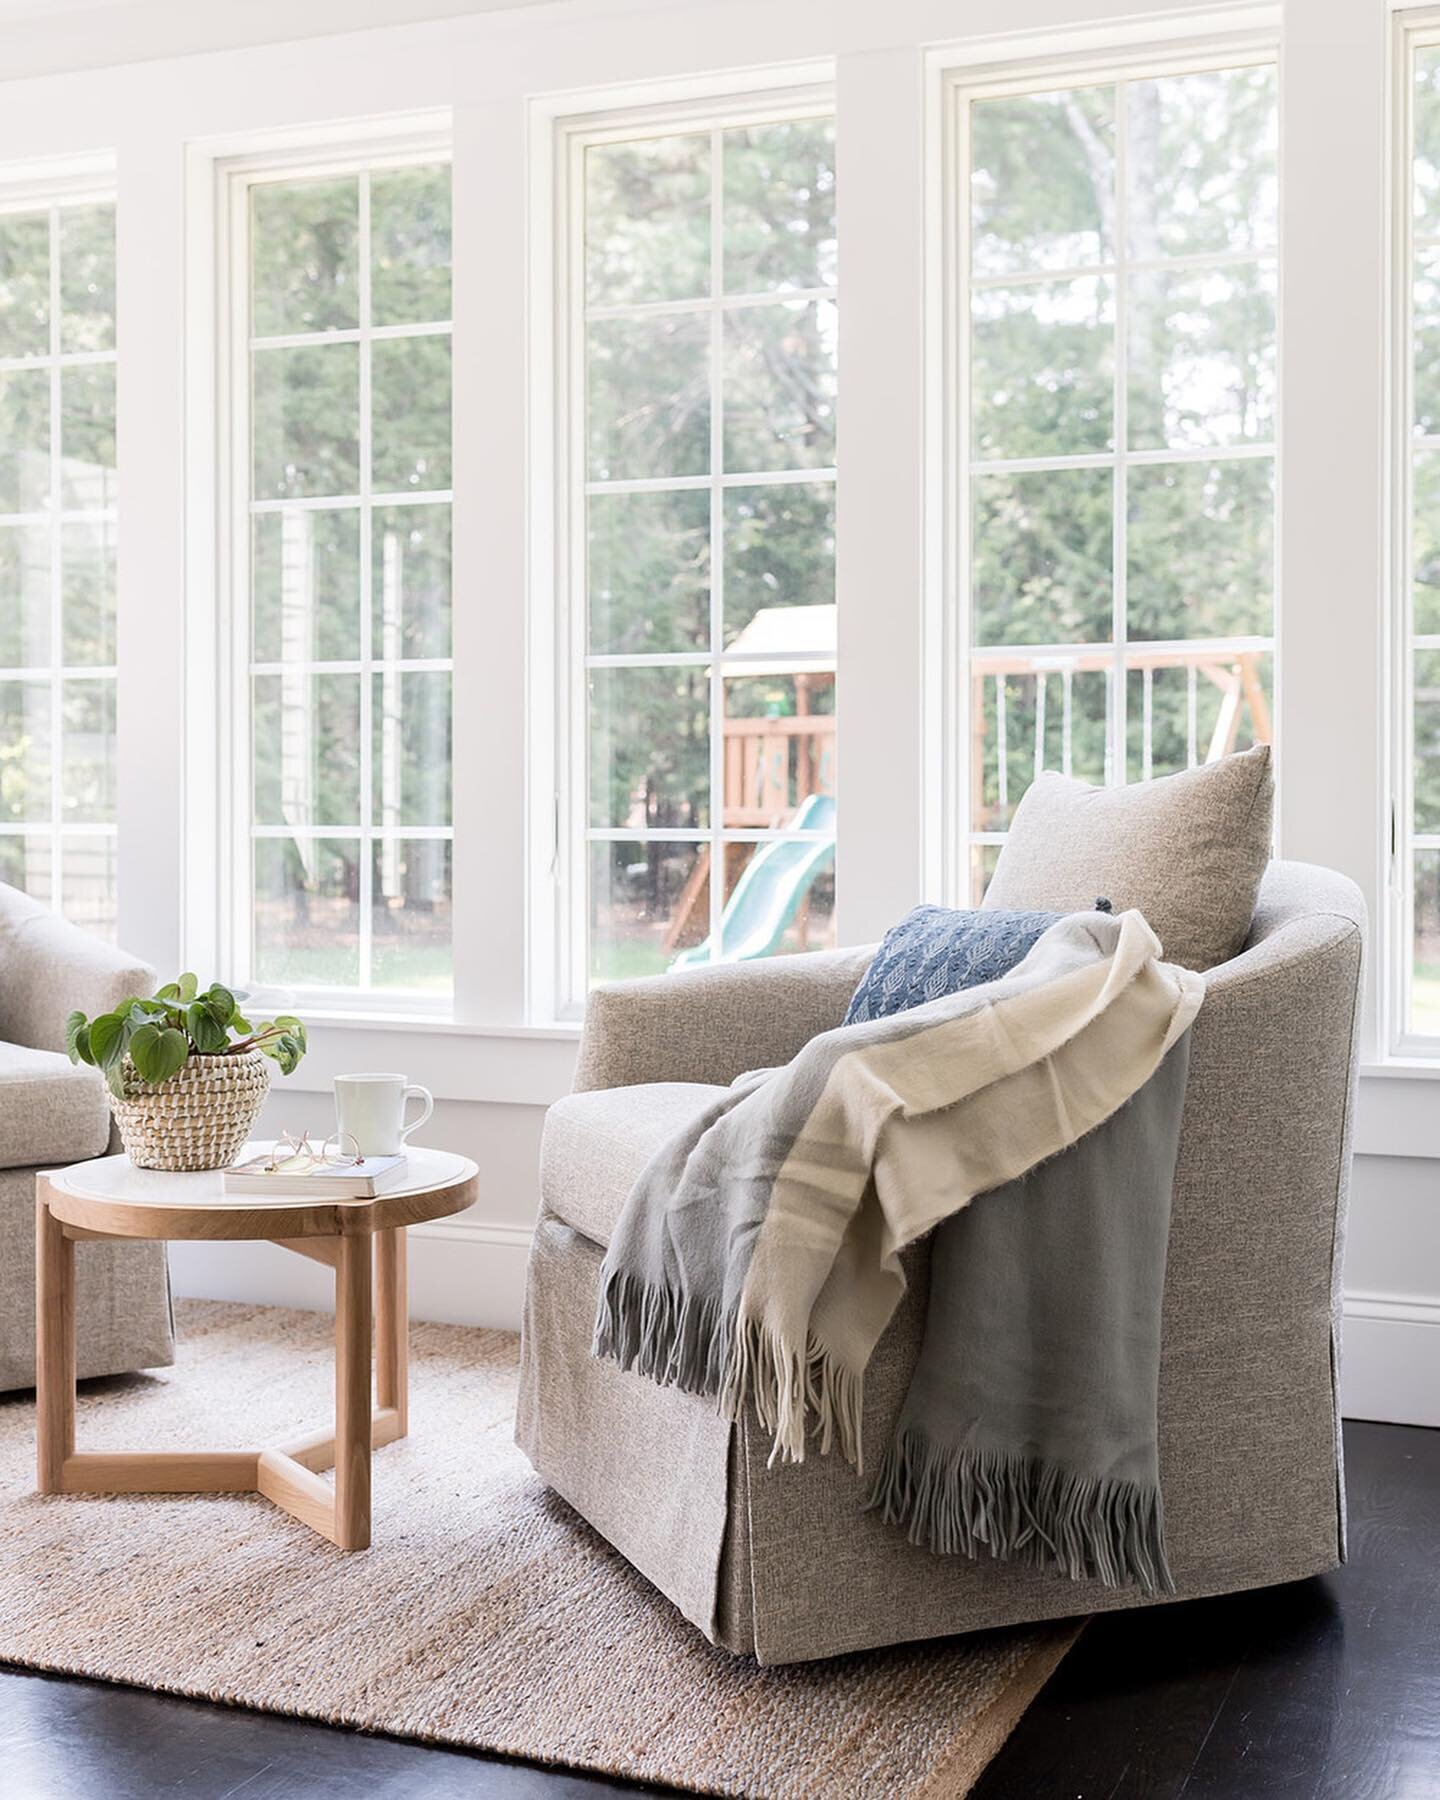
x=757 y=1258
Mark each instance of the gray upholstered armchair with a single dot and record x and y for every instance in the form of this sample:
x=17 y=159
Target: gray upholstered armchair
x=784 y=1562
x=52 y=1114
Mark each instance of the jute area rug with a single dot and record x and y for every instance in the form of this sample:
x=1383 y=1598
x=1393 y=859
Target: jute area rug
x=486 y=1613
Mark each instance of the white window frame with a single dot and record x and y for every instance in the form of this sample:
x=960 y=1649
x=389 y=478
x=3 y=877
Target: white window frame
x=560 y=980
x=30 y=191
x=962 y=81
x=360 y=152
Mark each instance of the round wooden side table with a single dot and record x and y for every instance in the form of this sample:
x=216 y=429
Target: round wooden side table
x=109 y=1198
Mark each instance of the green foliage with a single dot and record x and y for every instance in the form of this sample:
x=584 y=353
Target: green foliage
x=160 y=1034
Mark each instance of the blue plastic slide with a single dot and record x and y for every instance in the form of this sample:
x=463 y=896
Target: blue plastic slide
x=769 y=894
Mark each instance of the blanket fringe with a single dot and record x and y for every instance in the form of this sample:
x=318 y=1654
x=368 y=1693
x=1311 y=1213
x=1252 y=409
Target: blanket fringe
x=958 y=1501
x=680 y=1340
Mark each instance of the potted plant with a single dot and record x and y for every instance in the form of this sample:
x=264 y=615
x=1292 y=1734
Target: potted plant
x=187 y=1073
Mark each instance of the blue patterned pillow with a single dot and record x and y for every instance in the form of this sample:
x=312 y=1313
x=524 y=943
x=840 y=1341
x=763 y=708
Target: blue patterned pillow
x=938 y=950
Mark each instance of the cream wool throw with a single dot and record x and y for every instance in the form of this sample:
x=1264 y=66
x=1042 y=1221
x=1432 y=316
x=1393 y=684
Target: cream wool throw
x=757 y=1258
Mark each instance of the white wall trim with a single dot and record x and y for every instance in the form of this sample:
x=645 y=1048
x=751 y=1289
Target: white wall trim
x=1390 y=1364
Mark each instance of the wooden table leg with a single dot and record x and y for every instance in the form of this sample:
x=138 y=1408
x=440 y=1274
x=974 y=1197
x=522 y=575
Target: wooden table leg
x=352 y=1392
x=392 y=1326
x=54 y=1349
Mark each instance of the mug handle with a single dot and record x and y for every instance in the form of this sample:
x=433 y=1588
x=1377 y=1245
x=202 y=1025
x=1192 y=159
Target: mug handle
x=416 y=1093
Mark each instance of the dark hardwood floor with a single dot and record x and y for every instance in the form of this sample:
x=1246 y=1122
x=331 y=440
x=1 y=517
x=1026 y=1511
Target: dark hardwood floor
x=1326 y=1690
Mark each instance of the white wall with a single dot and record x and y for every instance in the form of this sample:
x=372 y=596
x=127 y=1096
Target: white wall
x=165 y=120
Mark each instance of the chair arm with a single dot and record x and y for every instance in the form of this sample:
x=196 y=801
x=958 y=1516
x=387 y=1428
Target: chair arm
x=714 y=1024
x=49 y=967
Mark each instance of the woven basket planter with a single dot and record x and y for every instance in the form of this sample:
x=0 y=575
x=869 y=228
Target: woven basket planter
x=199 y=1118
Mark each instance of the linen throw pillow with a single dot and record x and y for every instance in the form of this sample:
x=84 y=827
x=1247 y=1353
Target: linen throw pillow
x=937 y=950
x=1188 y=850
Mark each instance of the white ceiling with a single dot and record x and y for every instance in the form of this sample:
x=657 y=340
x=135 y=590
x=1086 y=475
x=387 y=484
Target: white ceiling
x=44 y=37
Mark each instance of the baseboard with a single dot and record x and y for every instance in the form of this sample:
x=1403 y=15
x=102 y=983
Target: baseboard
x=1390 y=1366
x=462 y=1272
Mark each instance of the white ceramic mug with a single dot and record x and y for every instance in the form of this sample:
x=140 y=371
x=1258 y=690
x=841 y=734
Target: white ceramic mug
x=371 y=1109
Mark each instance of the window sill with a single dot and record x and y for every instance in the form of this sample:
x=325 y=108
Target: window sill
x=342 y=1019
x=503 y=1065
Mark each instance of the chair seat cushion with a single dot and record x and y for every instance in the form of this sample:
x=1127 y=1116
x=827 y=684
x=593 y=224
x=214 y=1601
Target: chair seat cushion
x=596 y=1144
x=51 y=1112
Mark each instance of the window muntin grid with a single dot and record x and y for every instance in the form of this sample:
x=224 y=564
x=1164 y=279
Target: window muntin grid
x=58 y=520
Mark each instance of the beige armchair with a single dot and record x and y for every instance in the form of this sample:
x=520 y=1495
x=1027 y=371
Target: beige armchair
x=51 y=1114
x=785 y=1563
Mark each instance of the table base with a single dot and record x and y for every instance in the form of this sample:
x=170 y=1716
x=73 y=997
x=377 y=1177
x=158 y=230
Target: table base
x=287 y=1474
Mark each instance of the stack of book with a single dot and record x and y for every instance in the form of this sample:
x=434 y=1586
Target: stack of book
x=320 y=1181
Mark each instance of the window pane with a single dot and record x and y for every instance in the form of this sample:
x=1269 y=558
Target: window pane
x=1201 y=172
x=411 y=385
x=24 y=284
x=649 y=397
x=411 y=914
x=1426 y=179
x=305 y=585
x=780 y=554
x=307 y=911
x=649 y=904
x=1426 y=726
x=410 y=245
x=779 y=749
x=649 y=748
x=1042 y=552
x=1202 y=358
x=24 y=596
x=306 y=421
x=1042 y=368
x=1425 y=329
x=779 y=210
x=779 y=387
x=304 y=256
x=88 y=752
x=410 y=758
x=27 y=860
x=87 y=278
x=1052 y=718
x=87 y=881
x=25 y=752
x=306 y=736
x=87 y=573
x=1042 y=181
x=649 y=572
x=647 y=220
x=1425 y=551
x=24 y=440
x=1184 y=708
x=410 y=582
x=1201 y=549
x=87 y=437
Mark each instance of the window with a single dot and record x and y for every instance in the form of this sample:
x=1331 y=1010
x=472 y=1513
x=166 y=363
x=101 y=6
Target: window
x=701 y=794
x=57 y=555
x=342 y=580
x=1116 y=287
x=1417 y=825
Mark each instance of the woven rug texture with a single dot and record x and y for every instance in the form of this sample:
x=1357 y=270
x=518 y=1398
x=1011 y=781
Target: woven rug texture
x=486 y=1613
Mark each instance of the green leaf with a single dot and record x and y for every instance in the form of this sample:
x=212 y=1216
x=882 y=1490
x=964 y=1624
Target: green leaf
x=189 y=986
x=158 y=1053
x=115 y=1079
x=243 y=1026
x=221 y=1002
x=139 y=1011
x=107 y=1039
x=286 y=1049
x=296 y=1029
x=77 y=1037
x=207 y=1033
x=170 y=991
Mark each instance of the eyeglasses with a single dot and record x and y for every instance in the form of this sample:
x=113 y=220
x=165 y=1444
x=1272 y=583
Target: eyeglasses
x=298 y=1156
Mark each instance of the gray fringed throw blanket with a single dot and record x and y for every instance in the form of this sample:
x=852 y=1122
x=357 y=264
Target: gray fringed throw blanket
x=757 y=1258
